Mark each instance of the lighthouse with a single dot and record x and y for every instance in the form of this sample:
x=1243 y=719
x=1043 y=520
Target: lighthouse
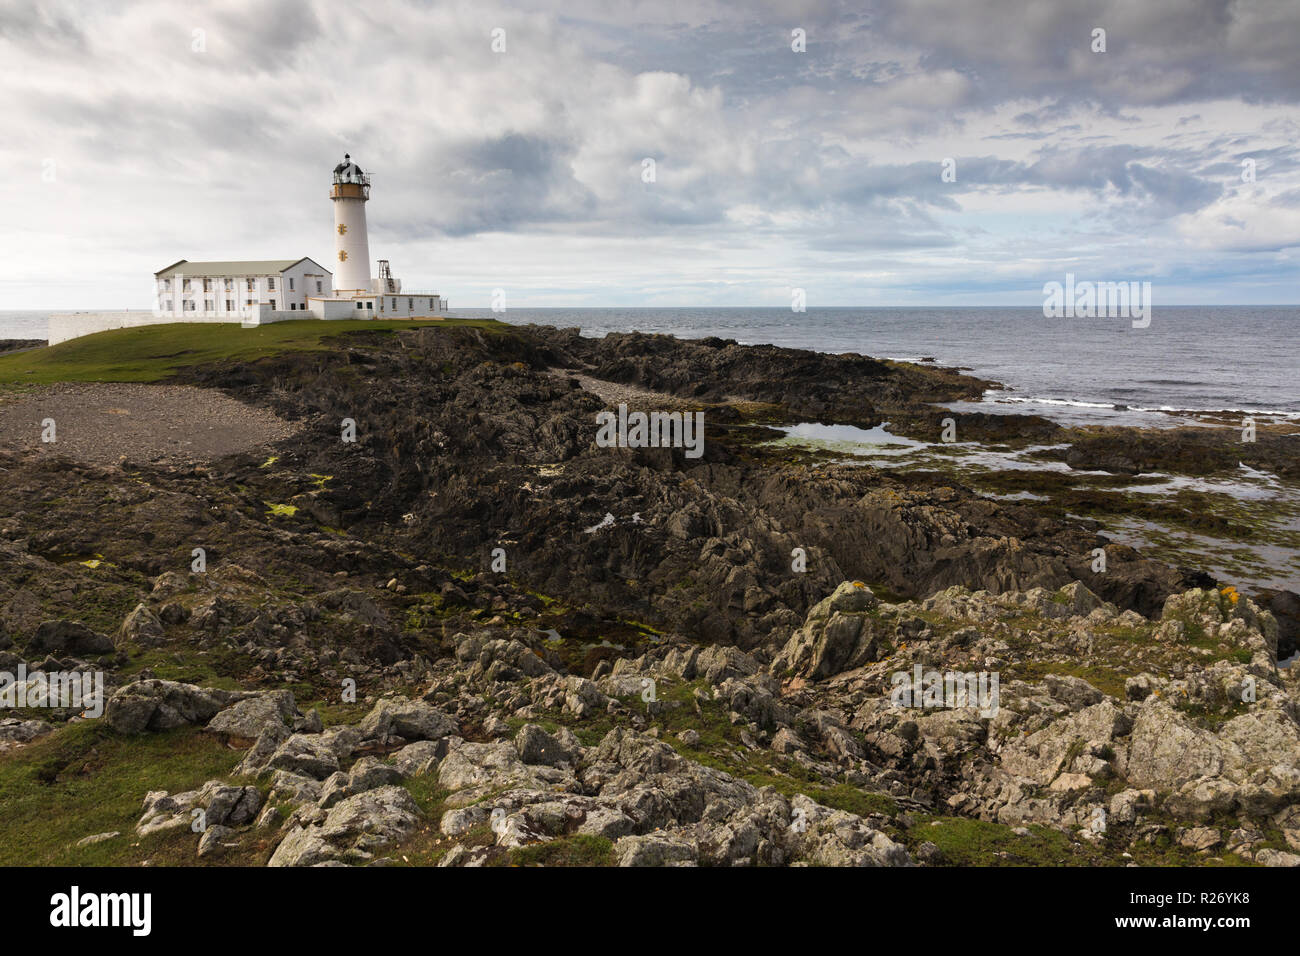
x=350 y=191
x=258 y=291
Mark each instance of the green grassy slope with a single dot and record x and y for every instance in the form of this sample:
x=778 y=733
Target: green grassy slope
x=153 y=352
x=83 y=779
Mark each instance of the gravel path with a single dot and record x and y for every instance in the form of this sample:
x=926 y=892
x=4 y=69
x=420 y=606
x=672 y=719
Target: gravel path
x=635 y=398
x=103 y=423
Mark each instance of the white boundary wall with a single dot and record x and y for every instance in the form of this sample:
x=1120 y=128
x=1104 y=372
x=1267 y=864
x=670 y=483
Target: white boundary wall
x=72 y=325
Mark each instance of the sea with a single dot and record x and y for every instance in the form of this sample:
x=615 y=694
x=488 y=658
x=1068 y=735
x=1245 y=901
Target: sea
x=1241 y=359
x=1238 y=359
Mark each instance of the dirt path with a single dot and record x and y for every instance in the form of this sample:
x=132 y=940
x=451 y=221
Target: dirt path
x=103 y=423
x=616 y=393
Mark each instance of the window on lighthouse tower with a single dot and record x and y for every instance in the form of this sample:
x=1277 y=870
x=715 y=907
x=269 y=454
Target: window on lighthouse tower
x=343 y=255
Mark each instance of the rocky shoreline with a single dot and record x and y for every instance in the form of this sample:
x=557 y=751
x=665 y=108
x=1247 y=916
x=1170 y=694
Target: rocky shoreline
x=563 y=653
x=17 y=345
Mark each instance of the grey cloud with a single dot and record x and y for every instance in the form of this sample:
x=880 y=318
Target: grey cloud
x=1290 y=198
x=1158 y=51
x=33 y=24
x=806 y=153
x=493 y=184
x=265 y=36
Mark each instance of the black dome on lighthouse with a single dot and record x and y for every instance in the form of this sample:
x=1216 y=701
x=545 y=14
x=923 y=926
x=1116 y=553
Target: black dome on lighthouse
x=348 y=171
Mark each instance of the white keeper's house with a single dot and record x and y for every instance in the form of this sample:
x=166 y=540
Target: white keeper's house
x=255 y=292
x=234 y=289
x=259 y=290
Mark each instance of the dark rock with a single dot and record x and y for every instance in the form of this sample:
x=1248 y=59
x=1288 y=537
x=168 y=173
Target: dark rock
x=70 y=637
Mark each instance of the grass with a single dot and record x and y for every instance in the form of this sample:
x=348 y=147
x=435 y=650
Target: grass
x=154 y=352
x=210 y=667
x=1108 y=680
x=579 y=849
x=83 y=779
x=967 y=842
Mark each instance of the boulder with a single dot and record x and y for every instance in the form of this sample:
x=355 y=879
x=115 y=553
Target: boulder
x=1065 y=745
x=654 y=849
x=1271 y=857
x=14 y=732
x=249 y=718
x=1200 y=838
x=69 y=637
x=826 y=837
x=1073 y=600
x=306 y=755
x=536 y=746
x=1166 y=751
x=215 y=840
x=583 y=697
x=408 y=719
x=421 y=757
x=506 y=660
x=838 y=634
x=1203 y=799
x=474 y=770
x=263 y=749
x=352 y=830
x=368 y=773
x=294 y=788
x=229 y=806
x=156 y=705
x=458 y=821
x=222 y=805
x=142 y=627
x=718 y=663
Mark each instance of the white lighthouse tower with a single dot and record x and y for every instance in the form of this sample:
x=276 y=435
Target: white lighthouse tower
x=356 y=294
x=350 y=191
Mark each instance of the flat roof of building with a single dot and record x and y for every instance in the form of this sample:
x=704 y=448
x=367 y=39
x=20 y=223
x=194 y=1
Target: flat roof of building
x=232 y=269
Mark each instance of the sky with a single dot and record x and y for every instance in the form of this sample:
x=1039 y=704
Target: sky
x=868 y=153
